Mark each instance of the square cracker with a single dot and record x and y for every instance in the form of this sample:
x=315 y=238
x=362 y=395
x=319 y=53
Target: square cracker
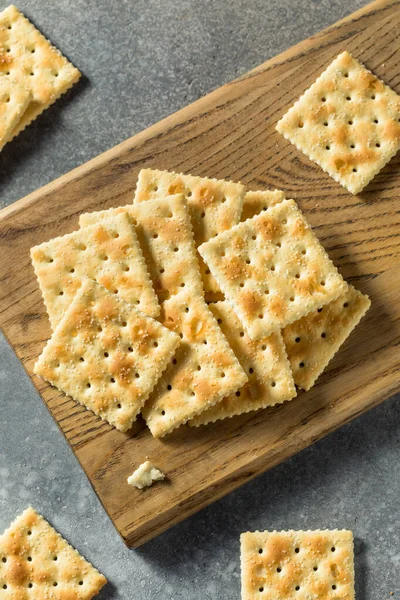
x=106 y=355
x=108 y=252
x=165 y=235
x=348 y=122
x=203 y=371
x=265 y=363
x=313 y=341
x=272 y=269
x=214 y=205
x=14 y=99
x=36 y=562
x=28 y=58
x=255 y=202
x=297 y=564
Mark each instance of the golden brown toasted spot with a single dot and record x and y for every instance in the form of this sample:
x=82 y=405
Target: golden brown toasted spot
x=205 y=195
x=101 y=235
x=106 y=310
x=298 y=228
x=392 y=130
x=269 y=228
x=176 y=187
x=235 y=268
x=251 y=302
x=121 y=368
x=277 y=306
x=204 y=389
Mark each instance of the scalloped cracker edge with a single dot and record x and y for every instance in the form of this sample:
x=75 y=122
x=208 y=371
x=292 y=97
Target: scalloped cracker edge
x=272 y=269
x=106 y=355
x=36 y=562
x=270 y=379
x=35 y=64
x=305 y=564
x=312 y=342
x=348 y=122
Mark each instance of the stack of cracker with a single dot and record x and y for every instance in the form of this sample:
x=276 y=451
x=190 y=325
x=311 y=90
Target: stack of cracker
x=131 y=300
x=33 y=73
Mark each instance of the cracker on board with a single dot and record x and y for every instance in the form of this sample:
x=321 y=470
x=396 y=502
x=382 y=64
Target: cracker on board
x=14 y=99
x=36 y=562
x=255 y=202
x=265 y=364
x=313 y=341
x=214 y=205
x=164 y=232
x=204 y=369
x=348 y=122
x=28 y=58
x=106 y=355
x=272 y=269
x=297 y=564
x=108 y=252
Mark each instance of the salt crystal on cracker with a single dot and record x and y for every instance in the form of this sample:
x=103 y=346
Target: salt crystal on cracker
x=108 y=252
x=313 y=341
x=297 y=564
x=272 y=269
x=214 y=205
x=265 y=364
x=348 y=122
x=106 y=355
x=29 y=59
x=36 y=562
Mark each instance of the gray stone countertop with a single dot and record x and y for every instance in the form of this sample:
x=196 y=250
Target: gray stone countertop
x=142 y=60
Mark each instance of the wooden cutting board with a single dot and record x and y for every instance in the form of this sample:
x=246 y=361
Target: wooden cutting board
x=228 y=134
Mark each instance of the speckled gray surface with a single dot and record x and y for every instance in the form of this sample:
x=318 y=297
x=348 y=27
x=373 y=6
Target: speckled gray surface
x=143 y=60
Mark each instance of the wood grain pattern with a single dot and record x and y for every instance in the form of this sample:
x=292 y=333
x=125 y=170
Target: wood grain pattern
x=228 y=134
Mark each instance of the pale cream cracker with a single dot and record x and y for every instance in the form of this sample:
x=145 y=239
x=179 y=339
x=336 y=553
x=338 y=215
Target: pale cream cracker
x=265 y=363
x=204 y=369
x=214 y=205
x=164 y=231
x=36 y=562
x=107 y=355
x=297 y=564
x=14 y=99
x=255 y=202
x=348 y=122
x=29 y=59
x=313 y=341
x=108 y=252
x=272 y=269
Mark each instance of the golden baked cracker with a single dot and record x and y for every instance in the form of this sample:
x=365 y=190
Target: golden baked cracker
x=28 y=58
x=165 y=235
x=313 y=341
x=36 y=562
x=106 y=355
x=214 y=205
x=203 y=371
x=272 y=269
x=108 y=252
x=255 y=202
x=265 y=363
x=348 y=122
x=297 y=564
x=14 y=100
